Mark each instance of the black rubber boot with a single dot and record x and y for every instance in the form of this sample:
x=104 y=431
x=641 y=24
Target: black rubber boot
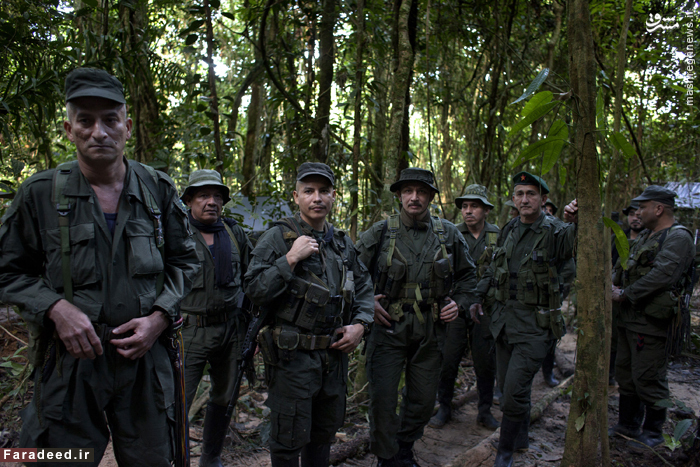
x=391 y=462
x=484 y=387
x=548 y=370
x=506 y=442
x=497 y=394
x=277 y=461
x=215 y=427
x=631 y=416
x=522 y=441
x=611 y=372
x=405 y=454
x=446 y=390
x=316 y=455
x=652 y=431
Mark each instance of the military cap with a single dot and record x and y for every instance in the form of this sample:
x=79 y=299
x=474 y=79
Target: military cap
x=92 y=82
x=659 y=194
x=526 y=178
x=315 y=168
x=554 y=206
x=474 y=192
x=633 y=205
x=205 y=177
x=510 y=204
x=414 y=174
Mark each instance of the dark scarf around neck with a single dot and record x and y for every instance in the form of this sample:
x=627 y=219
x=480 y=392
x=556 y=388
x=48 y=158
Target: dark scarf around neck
x=223 y=269
x=412 y=223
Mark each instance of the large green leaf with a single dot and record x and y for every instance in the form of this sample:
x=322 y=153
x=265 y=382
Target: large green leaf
x=535 y=149
x=534 y=86
x=620 y=142
x=681 y=428
x=559 y=131
x=621 y=242
x=531 y=117
x=541 y=98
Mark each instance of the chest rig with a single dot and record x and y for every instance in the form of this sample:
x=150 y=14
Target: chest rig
x=404 y=294
x=310 y=305
x=536 y=282
x=484 y=261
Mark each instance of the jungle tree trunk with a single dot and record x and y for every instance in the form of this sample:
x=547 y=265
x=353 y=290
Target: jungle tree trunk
x=588 y=445
x=248 y=171
x=357 y=136
x=397 y=100
x=213 y=97
x=325 y=80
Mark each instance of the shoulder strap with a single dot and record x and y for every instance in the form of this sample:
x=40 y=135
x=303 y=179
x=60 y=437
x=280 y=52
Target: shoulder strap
x=293 y=229
x=491 y=238
x=377 y=249
x=148 y=182
x=393 y=224
x=439 y=229
x=63 y=208
x=233 y=237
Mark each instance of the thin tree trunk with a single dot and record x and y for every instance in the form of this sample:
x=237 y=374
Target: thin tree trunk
x=586 y=434
x=357 y=136
x=213 y=97
x=248 y=170
x=325 y=80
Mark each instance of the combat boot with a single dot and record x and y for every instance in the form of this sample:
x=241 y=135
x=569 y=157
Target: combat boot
x=611 y=371
x=390 y=462
x=497 y=394
x=631 y=415
x=277 y=461
x=444 y=414
x=548 y=370
x=484 y=387
x=215 y=427
x=522 y=441
x=652 y=434
x=406 y=454
x=506 y=442
x=316 y=455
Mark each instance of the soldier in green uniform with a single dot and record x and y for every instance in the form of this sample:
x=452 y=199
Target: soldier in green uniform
x=481 y=238
x=80 y=258
x=423 y=275
x=550 y=208
x=513 y=212
x=648 y=292
x=214 y=325
x=526 y=316
x=320 y=297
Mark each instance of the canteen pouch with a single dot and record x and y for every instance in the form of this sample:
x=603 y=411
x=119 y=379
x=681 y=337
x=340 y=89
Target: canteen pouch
x=443 y=275
x=315 y=300
x=297 y=289
x=557 y=323
x=349 y=287
x=662 y=306
x=287 y=343
x=544 y=318
x=395 y=275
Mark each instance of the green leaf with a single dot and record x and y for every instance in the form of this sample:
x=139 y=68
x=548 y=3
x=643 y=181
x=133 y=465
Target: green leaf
x=681 y=428
x=667 y=403
x=620 y=142
x=534 y=86
x=621 y=242
x=228 y=15
x=214 y=4
x=541 y=98
x=204 y=131
x=679 y=88
x=531 y=117
x=560 y=131
x=191 y=39
x=562 y=175
x=91 y=3
x=580 y=421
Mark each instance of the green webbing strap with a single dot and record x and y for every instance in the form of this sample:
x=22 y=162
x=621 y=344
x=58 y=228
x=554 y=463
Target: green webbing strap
x=233 y=237
x=143 y=172
x=491 y=238
x=393 y=223
x=63 y=207
x=440 y=231
x=416 y=308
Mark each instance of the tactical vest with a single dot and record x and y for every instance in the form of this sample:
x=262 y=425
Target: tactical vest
x=392 y=282
x=664 y=304
x=536 y=283
x=310 y=305
x=484 y=261
x=148 y=182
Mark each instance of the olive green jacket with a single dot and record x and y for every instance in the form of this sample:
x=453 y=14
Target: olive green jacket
x=206 y=297
x=420 y=260
x=518 y=318
x=666 y=268
x=478 y=246
x=269 y=275
x=114 y=278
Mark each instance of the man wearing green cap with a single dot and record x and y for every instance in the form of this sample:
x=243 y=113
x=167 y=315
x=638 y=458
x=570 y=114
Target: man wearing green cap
x=423 y=276
x=659 y=264
x=320 y=299
x=550 y=207
x=481 y=238
x=97 y=254
x=513 y=211
x=215 y=325
x=526 y=316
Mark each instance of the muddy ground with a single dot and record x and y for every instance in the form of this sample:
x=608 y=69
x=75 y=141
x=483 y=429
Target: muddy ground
x=438 y=447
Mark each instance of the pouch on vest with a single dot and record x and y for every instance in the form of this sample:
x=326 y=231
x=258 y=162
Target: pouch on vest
x=315 y=300
x=349 y=287
x=267 y=346
x=557 y=323
x=527 y=287
x=663 y=306
x=442 y=269
x=297 y=289
x=544 y=319
x=395 y=275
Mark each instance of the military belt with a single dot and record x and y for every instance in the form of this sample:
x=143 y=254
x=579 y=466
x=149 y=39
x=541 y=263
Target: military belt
x=305 y=341
x=207 y=320
x=105 y=334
